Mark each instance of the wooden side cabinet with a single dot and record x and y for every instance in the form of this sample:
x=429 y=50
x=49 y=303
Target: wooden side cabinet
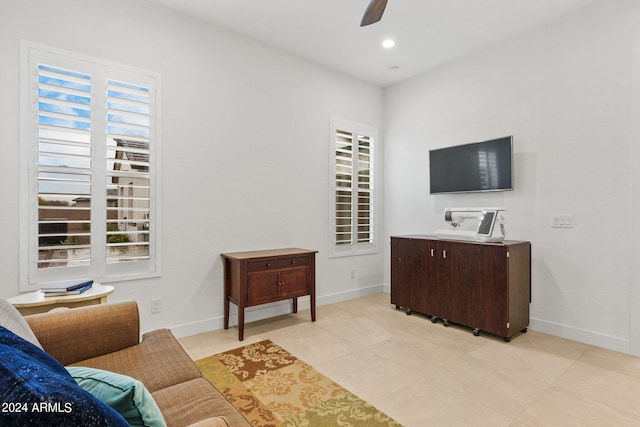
x=486 y=286
x=260 y=277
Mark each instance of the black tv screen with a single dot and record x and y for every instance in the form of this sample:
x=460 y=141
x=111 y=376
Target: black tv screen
x=480 y=166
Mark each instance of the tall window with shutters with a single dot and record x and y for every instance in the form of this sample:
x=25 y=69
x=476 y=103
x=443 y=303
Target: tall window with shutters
x=353 y=199
x=89 y=177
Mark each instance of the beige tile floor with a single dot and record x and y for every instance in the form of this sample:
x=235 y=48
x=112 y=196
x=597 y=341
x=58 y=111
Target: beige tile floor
x=422 y=373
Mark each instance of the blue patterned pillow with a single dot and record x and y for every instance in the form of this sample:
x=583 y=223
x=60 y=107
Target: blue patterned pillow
x=36 y=390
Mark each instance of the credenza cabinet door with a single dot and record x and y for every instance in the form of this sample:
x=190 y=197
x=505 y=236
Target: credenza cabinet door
x=455 y=271
x=438 y=281
x=409 y=274
x=491 y=288
x=261 y=287
x=293 y=282
x=272 y=285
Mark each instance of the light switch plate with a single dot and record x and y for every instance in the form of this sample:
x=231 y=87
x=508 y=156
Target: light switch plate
x=562 y=220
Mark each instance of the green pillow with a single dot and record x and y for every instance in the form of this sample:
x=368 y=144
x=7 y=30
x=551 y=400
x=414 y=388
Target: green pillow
x=128 y=396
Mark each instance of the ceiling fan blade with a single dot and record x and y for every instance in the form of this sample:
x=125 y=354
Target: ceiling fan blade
x=374 y=12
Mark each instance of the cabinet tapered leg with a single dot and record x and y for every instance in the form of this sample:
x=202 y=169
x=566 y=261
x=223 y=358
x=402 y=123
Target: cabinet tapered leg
x=240 y=323
x=226 y=313
x=295 y=305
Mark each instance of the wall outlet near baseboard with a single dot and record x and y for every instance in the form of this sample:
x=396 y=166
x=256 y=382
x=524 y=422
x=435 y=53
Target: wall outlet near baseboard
x=156 y=305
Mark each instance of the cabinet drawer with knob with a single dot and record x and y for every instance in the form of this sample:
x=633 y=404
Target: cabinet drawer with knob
x=277 y=264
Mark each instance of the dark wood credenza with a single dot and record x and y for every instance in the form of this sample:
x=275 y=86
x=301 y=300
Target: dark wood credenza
x=485 y=286
x=260 y=277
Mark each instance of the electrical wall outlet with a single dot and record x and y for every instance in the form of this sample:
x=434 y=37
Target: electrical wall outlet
x=562 y=220
x=156 y=305
x=353 y=274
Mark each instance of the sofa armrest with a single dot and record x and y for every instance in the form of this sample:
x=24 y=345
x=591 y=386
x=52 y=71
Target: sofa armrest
x=82 y=333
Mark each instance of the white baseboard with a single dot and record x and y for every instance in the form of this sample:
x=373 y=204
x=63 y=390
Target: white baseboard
x=597 y=339
x=265 y=311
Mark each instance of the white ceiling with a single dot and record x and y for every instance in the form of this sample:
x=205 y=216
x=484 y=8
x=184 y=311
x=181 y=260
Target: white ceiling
x=428 y=33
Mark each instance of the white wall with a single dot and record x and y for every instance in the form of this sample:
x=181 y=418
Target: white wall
x=245 y=157
x=565 y=92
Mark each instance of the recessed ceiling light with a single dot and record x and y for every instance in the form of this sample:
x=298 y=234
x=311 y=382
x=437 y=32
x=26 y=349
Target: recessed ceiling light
x=394 y=69
x=388 y=44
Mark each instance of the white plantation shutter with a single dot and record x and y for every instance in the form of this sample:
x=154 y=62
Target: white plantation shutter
x=343 y=188
x=353 y=198
x=89 y=175
x=64 y=167
x=364 y=231
x=128 y=166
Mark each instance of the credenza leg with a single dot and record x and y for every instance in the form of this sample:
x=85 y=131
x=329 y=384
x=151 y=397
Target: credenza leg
x=226 y=313
x=295 y=305
x=241 y=323
x=313 y=307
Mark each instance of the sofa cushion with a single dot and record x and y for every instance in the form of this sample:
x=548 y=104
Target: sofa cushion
x=196 y=400
x=158 y=361
x=126 y=395
x=36 y=390
x=11 y=319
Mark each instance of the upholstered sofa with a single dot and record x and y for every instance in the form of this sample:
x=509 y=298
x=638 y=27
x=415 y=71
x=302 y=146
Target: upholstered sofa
x=107 y=337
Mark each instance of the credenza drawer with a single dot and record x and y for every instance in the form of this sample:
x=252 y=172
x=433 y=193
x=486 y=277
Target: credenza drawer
x=276 y=264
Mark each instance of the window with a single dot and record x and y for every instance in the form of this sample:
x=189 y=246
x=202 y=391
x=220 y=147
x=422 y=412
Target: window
x=89 y=169
x=353 y=199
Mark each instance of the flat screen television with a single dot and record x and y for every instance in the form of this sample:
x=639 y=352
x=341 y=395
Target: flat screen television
x=480 y=166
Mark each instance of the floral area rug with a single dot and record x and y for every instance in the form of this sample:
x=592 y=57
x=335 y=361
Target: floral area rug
x=272 y=388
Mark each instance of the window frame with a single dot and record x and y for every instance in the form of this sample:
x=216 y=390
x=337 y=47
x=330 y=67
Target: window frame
x=353 y=248
x=32 y=277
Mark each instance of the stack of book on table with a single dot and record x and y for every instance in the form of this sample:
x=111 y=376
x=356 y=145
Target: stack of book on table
x=68 y=288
